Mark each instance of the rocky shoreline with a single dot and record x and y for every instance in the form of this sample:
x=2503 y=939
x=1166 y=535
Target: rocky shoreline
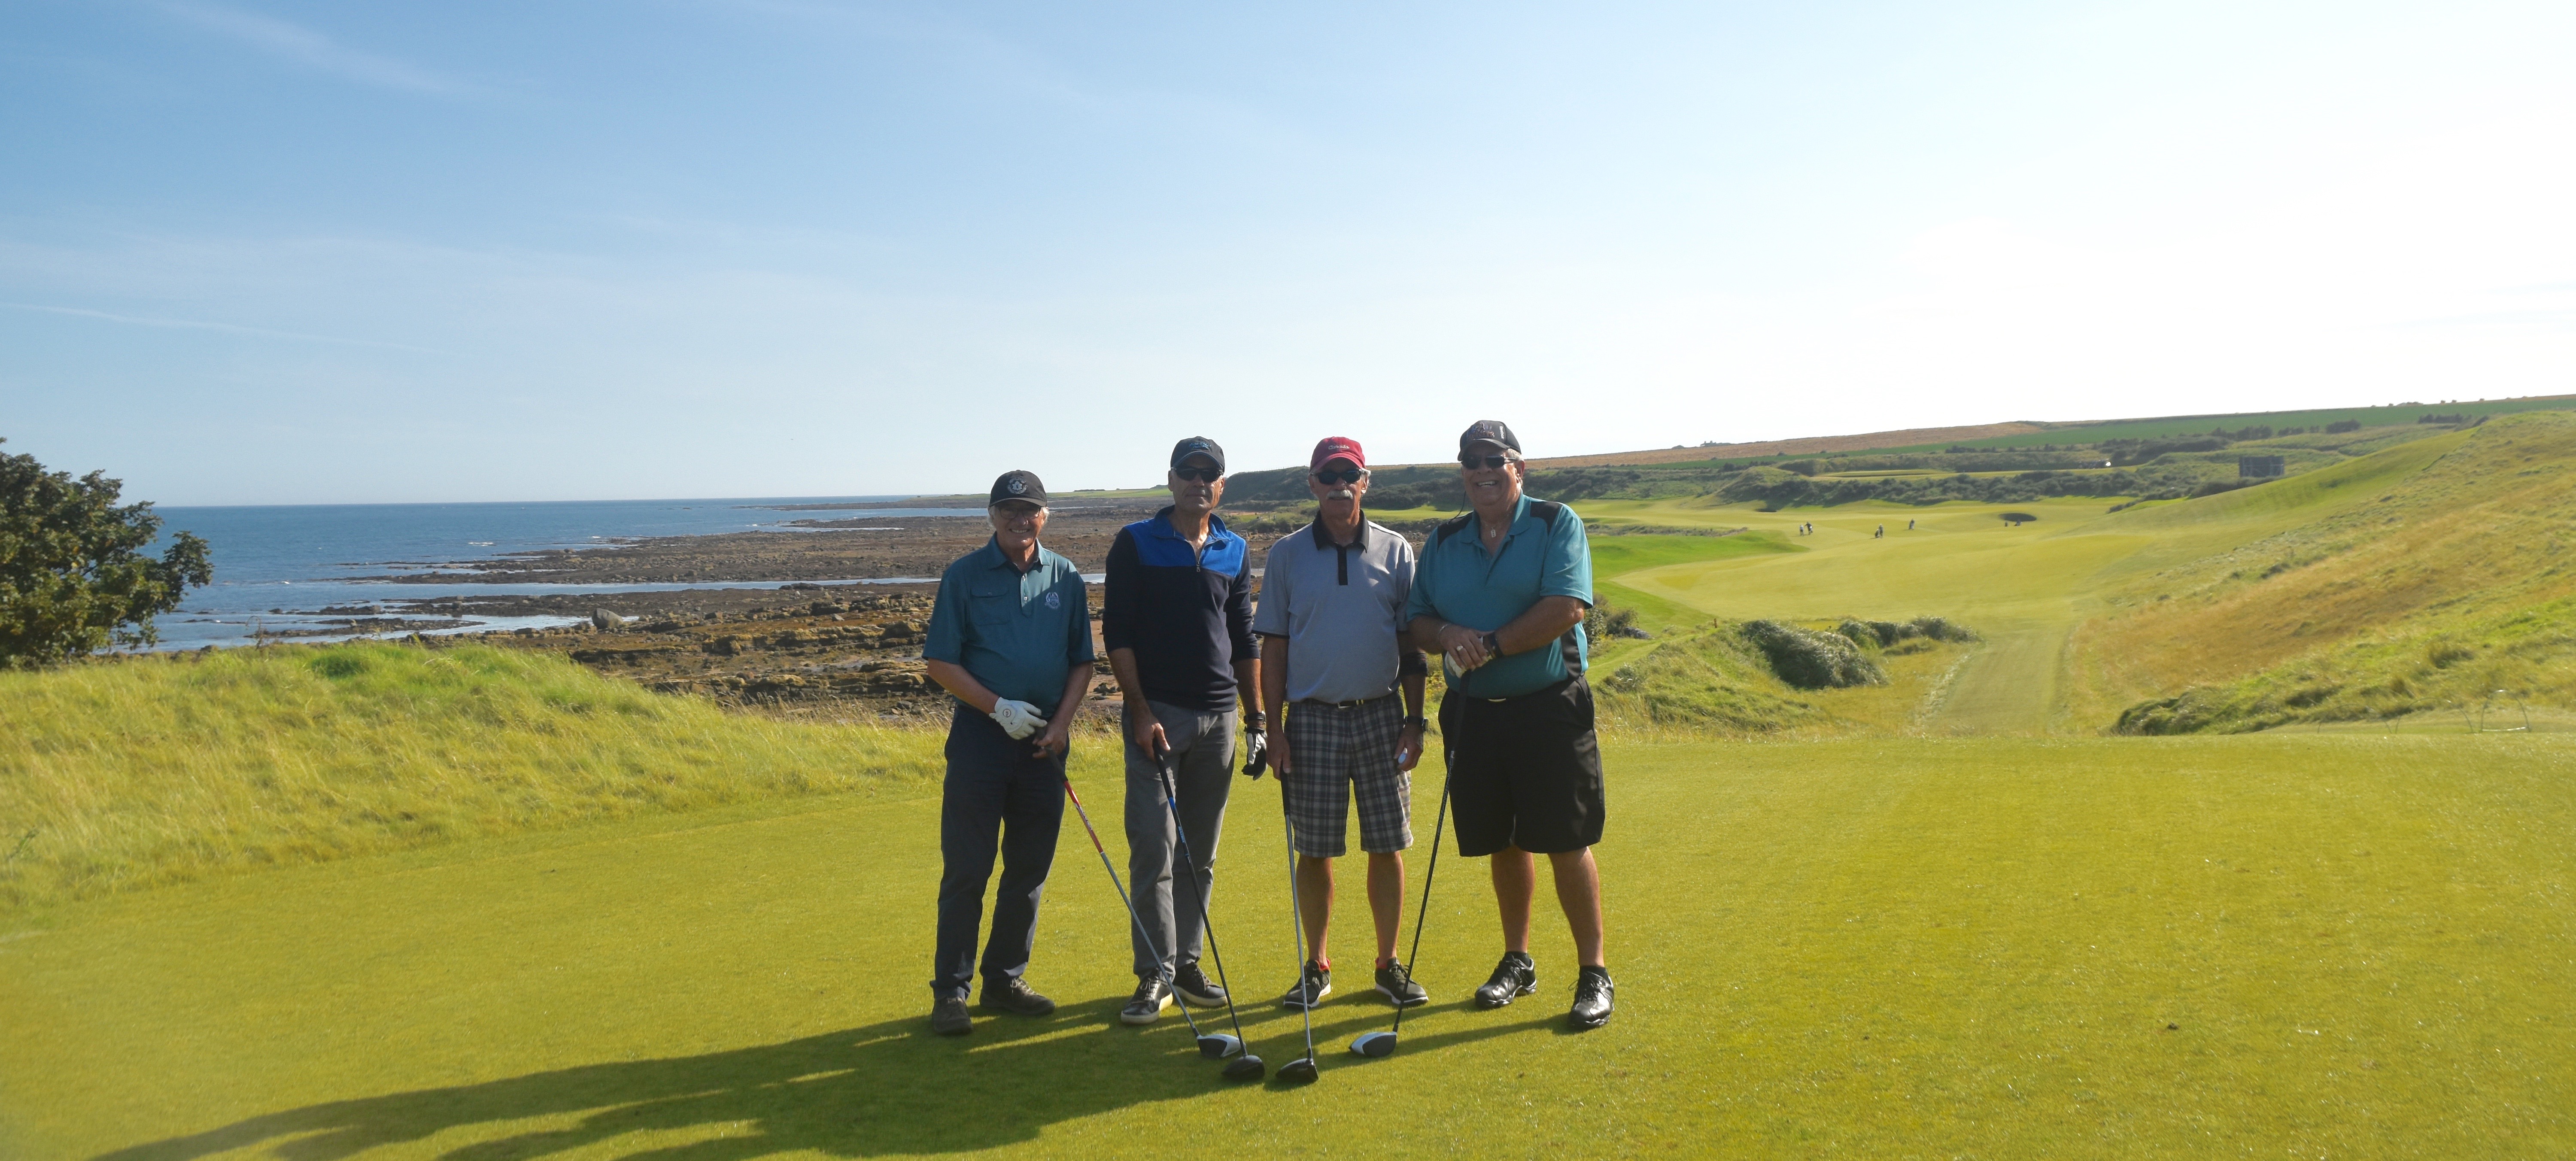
x=824 y=642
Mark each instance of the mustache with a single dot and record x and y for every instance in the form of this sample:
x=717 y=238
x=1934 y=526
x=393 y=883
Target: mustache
x=1340 y=494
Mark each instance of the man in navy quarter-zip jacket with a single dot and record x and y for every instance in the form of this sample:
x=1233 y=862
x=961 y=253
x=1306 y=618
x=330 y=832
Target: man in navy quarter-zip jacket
x=1177 y=619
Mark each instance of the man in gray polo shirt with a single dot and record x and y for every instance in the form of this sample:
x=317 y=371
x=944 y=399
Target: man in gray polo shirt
x=1331 y=621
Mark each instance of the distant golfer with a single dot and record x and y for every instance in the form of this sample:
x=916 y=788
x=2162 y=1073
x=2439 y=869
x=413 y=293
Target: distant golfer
x=1333 y=659
x=1500 y=594
x=1177 y=618
x=1010 y=638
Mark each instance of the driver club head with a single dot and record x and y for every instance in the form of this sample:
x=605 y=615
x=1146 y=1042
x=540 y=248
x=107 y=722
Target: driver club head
x=1246 y=1067
x=1218 y=1046
x=1298 y=1071
x=1373 y=1044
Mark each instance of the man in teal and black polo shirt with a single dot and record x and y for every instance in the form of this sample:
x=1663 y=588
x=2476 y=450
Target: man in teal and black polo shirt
x=1500 y=594
x=1010 y=639
x=1176 y=616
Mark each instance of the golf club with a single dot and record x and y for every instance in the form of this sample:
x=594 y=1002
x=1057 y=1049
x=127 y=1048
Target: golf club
x=1302 y=1069
x=1209 y=1046
x=1376 y=1044
x=1215 y=1046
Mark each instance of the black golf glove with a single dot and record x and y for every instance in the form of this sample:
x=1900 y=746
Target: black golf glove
x=1256 y=753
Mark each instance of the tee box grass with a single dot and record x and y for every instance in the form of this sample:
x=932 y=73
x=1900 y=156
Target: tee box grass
x=2271 y=945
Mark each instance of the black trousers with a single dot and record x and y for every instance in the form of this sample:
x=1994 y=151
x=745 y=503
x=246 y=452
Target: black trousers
x=996 y=794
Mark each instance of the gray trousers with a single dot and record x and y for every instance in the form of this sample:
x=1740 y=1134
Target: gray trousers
x=1202 y=758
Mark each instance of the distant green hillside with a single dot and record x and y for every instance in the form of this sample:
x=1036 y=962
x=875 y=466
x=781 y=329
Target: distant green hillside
x=2168 y=458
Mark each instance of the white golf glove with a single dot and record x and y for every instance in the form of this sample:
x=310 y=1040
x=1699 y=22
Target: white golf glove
x=1019 y=719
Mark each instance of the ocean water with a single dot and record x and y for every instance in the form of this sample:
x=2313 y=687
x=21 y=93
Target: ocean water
x=277 y=566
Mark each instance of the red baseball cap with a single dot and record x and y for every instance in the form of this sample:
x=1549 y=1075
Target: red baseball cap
x=1335 y=447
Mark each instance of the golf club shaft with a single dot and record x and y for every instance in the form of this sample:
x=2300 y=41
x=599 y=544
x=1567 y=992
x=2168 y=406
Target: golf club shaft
x=1207 y=926
x=1121 y=888
x=1439 y=827
x=1297 y=916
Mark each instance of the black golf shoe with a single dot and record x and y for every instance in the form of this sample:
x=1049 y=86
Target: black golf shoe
x=1513 y=978
x=1395 y=983
x=1015 y=995
x=1591 y=999
x=1152 y=996
x=1195 y=989
x=948 y=1016
x=1313 y=984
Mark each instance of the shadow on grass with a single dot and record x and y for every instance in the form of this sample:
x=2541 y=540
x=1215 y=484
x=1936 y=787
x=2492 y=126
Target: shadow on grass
x=888 y=1088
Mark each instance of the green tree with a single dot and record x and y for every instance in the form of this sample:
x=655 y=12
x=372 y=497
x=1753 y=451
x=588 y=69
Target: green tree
x=73 y=576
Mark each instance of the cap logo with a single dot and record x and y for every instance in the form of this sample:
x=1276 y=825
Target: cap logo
x=1018 y=485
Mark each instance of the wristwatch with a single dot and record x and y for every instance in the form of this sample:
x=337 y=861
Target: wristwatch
x=1493 y=645
x=1418 y=722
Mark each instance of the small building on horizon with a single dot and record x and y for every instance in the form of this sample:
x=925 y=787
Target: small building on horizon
x=2261 y=467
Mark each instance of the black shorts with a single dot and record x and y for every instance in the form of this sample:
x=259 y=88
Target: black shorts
x=1525 y=771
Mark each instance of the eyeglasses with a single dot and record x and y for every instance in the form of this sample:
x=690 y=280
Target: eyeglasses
x=1344 y=476
x=1019 y=514
x=1199 y=475
x=1471 y=463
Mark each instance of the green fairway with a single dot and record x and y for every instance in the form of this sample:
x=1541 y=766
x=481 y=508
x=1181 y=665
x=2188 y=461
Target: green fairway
x=2300 y=945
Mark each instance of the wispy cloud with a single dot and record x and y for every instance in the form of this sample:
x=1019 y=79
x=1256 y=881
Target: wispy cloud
x=226 y=328
x=303 y=46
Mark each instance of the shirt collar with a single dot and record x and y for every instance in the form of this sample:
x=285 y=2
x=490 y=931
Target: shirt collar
x=1002 y=560
x=1324 y=540
x=1520 y=512
x=1161 y=525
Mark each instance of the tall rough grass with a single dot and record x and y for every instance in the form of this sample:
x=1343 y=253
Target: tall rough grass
x=1810 y=659
x=134 y=774
x=1885 y=633
x=1713 y=680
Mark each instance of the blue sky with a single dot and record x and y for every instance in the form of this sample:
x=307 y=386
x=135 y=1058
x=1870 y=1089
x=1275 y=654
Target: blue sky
x=306 y=252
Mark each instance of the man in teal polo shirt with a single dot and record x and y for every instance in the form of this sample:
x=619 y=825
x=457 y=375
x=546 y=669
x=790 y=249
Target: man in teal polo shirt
x=1010 y=639
x=1500 y=594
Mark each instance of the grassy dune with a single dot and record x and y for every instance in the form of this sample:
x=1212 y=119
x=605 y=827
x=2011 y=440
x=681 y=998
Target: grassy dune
x=2434 y=588
x=2288 y=945
x=148 y=772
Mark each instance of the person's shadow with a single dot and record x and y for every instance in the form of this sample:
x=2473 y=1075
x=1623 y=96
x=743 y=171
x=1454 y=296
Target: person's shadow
x=885 y=1088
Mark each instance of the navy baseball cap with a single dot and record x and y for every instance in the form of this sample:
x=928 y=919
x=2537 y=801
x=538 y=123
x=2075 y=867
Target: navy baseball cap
x=1493 y=431
x=1018 y=486
x=1199 y=445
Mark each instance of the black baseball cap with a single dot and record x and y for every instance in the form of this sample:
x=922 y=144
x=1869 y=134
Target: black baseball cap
x=1018 y=486
x=1493 y=431
x=1199 y=445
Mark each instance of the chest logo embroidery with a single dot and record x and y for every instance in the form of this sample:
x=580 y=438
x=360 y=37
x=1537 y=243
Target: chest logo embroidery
x=1055 y=600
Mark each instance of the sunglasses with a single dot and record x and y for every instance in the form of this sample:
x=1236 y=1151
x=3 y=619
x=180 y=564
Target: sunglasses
x=1199 y=475
x=1473 y=462
x=1343 y=476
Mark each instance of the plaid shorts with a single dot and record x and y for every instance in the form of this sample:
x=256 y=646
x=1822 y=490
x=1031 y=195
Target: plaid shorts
x=1330 y=750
